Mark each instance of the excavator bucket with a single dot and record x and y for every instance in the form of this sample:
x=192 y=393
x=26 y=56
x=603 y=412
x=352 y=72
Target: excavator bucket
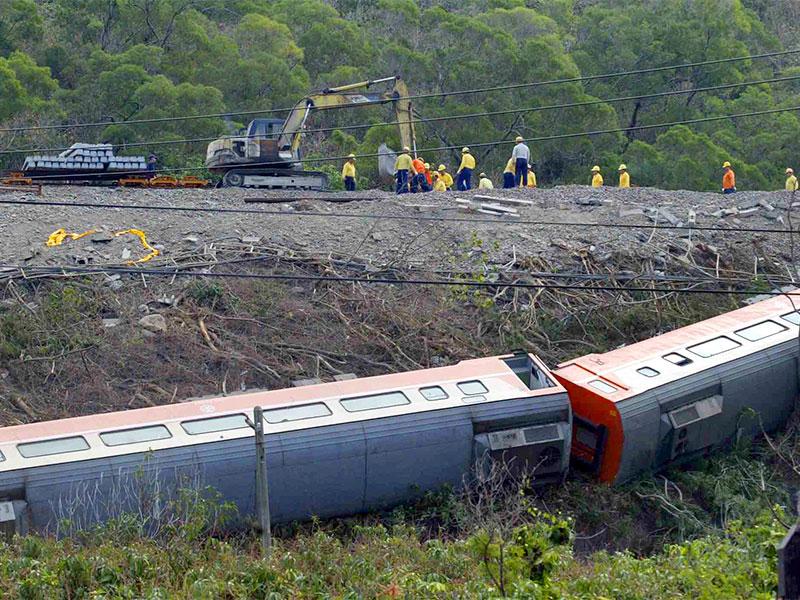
x=386 y=160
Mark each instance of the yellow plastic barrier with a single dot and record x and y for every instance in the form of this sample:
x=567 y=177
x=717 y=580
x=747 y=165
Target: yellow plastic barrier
x=57 y=237
x=142 y=238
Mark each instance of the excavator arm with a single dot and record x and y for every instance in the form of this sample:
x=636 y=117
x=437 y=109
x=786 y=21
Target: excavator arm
x=346 y=95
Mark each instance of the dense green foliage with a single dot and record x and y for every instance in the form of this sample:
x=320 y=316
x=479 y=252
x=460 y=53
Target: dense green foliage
x=68 y=61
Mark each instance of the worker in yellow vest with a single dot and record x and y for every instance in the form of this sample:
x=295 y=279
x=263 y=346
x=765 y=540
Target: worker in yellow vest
x=624 y=176
x=438 y=183
x=531 y=177
x=349 y=173
x=402 y=166
x=597 y=178
x=509 y=174
x=446 y=177
x=791 y=181
x=464 y=174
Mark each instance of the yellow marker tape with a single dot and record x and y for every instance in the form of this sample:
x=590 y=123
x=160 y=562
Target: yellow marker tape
x=143 y=239
x=57 y=237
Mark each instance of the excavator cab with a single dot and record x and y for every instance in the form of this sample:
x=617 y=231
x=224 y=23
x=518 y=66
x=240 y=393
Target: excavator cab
x=269 y=155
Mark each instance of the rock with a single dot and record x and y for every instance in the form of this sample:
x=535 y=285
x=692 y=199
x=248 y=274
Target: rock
x=154 y=323
x=589 y=202
x=377 y=236
x=665 y=215
x=748 y=212
x=192 y=239
x=144 y=309
x=102 y=237
x=251 y=239
x=116 y=285
x=108 y=323
x=167 y=300
x=765 y=204
x=126 y=254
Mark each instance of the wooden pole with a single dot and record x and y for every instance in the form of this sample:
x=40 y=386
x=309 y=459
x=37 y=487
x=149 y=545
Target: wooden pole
x=262 y=483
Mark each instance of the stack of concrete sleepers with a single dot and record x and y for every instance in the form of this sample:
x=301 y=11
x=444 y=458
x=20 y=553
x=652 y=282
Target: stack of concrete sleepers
x=82 y=159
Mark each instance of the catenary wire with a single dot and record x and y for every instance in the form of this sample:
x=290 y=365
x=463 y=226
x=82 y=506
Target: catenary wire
x=547 y=138
x=68 y=269
x=421 y=218
x=419 y=96
x=474 y=115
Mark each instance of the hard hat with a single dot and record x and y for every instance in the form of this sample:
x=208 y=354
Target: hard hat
x=464 y=150
x=789 y=170
x=595 y=168
x=726 y=164
x=427 y=165
x=442 y=168
x=351 y=156
x=519 y=139
x=406 y=149
x=482 y=175
x=623 y=167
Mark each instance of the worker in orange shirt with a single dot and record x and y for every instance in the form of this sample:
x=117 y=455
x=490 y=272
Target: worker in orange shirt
x=428 y=176
x=419 y=182
x=728 y=179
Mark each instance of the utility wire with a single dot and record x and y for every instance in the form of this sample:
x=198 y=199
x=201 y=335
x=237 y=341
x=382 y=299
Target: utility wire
x=68 y=269
x=389 y=217
x=475 y=115
x=417 y=96
x=547 y=138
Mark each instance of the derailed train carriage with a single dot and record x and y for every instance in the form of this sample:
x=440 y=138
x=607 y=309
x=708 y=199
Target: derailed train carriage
x=682 y=394
x=333 y=449
x=352 y=446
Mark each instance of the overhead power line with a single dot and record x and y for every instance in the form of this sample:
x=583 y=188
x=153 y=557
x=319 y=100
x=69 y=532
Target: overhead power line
x=388 y=217
x=546 y=138
x=484 y=90
x=475 y=115
x=68 y=269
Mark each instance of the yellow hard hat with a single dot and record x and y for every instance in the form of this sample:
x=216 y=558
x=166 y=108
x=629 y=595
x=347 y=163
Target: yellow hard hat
x=442 y=168
x=595 y=168
x=351 y=156
x=623 y=167
x=464 y=150
x=427 y=165
x=726 y=164
x=789 y=170
x=519 y=139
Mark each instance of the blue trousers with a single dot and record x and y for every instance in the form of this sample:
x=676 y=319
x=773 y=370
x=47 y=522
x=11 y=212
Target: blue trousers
x=464 y=181
x=350 y=184
x=508 y=181
x=402 y=181
x=420 y=183
x=522 y=172
x=729 y=191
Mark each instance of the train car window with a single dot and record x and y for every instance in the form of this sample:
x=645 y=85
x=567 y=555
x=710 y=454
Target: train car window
x=761 y=331
x=215 y=424
x=135 y=436
x=472 y=387
x=374 y=401
x=433 y=393
x=603 y=386
x=648 y=372
x=792 y=317
x=297 y=413
x=713 y=347
x=48 y=447
x=677 y=359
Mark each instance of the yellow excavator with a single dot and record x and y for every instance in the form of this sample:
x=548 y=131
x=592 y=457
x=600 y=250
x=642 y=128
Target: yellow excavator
x=268 y=154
